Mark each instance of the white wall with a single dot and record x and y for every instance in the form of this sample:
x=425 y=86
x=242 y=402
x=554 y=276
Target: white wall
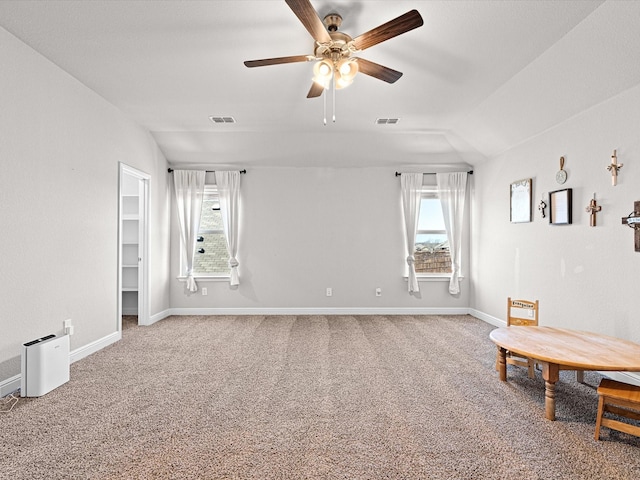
x=585 y=277
x=305 y=229
x=60 y=144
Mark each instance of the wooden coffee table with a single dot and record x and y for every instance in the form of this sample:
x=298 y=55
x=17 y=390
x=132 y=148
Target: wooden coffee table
x=560 y=349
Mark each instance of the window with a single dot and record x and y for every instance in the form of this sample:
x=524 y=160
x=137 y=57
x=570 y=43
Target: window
x=212 y=257
x=432 y=247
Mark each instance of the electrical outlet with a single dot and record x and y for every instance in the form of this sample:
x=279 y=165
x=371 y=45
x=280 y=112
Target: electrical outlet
x=378 y=292
x=329 y=291
x=204 y=291
x=68 y=327
x=530 y=313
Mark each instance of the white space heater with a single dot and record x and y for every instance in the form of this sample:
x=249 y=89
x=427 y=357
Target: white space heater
x=45 y=365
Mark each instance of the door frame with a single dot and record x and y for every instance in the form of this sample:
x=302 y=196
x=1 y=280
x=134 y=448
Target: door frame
x=144 y=180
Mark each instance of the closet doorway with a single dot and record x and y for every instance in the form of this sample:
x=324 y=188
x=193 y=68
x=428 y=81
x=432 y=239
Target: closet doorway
x=133 y=245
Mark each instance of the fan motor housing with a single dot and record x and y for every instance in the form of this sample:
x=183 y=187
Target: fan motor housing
x=338 y=48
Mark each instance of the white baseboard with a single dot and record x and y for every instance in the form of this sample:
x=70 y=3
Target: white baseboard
x=93 y=347
x=495 y=321
x=319 y=311
x=9 y=385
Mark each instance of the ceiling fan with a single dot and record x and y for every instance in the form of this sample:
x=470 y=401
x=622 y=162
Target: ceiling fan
x=334 y=51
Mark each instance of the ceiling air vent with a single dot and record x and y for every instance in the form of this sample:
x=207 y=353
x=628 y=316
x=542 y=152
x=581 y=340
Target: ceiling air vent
x=387 y=121
x=215 y=119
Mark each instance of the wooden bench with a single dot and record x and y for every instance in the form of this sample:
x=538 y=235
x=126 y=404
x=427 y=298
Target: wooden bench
x=620 y=399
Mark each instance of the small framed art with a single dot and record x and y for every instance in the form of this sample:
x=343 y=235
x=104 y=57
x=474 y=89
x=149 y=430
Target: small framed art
x=560 y=207
x=521 y=201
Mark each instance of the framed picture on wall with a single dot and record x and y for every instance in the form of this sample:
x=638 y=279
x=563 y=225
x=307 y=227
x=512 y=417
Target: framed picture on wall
x=560 y=207
x=521 y=201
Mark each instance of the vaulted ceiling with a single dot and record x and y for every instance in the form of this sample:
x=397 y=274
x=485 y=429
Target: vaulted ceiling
x=479 y=76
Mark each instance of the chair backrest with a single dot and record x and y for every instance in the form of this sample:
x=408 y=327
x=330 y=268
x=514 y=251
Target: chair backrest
x=522 y=312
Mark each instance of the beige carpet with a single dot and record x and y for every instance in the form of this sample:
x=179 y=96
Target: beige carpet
x=308 y=397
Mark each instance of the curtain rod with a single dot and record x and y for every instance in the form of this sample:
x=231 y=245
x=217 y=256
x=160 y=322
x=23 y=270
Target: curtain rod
x=207 y=171
x=470 y=172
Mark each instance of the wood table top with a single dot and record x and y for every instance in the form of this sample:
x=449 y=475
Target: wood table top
x=572 y=348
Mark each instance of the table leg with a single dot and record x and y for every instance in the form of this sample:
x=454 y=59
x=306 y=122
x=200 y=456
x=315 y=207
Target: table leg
x=502 y=363
x=551 y=374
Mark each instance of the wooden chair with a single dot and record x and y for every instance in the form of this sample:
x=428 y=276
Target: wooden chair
x=521 y=313
x=620 y=399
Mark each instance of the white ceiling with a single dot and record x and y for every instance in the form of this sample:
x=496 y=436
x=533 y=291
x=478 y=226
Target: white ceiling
x=479 y=76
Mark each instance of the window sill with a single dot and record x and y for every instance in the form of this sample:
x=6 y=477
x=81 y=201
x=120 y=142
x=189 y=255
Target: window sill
x=207 y=278
x=433 y=278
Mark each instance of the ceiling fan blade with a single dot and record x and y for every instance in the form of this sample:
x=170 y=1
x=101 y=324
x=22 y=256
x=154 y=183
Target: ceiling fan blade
x=392 y=28
x=315 y=90
x=278 y=60
x=378 y=71
x=310 y=19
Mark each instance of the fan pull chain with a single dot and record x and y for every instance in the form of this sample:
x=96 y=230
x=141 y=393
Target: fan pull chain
x=334 y=98
x=324 y=107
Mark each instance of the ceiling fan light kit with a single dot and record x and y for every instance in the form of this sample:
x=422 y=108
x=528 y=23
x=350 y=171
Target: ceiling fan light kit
x=334 y=50
x=344 y=71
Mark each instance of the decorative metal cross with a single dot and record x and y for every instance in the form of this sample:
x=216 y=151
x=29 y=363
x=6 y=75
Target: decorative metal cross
x=633 y=221
x=593 y=208
x=541 y=207
x=613 y=168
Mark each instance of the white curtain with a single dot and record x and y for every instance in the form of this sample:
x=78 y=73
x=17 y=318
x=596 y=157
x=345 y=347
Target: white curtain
x=228 y=184
x=452 y=190
x=411 y=185
x=189 y=189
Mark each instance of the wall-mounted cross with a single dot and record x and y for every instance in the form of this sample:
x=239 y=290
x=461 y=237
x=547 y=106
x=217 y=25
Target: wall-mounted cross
x=593 y=208
x=613 y=168
x=541 y=207
x=633 y=220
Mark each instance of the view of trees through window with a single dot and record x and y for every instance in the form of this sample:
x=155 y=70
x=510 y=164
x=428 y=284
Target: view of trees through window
x=432 y=247
x=211 y=256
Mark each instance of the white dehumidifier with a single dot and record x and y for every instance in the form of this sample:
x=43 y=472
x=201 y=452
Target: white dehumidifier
x=45 y=365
